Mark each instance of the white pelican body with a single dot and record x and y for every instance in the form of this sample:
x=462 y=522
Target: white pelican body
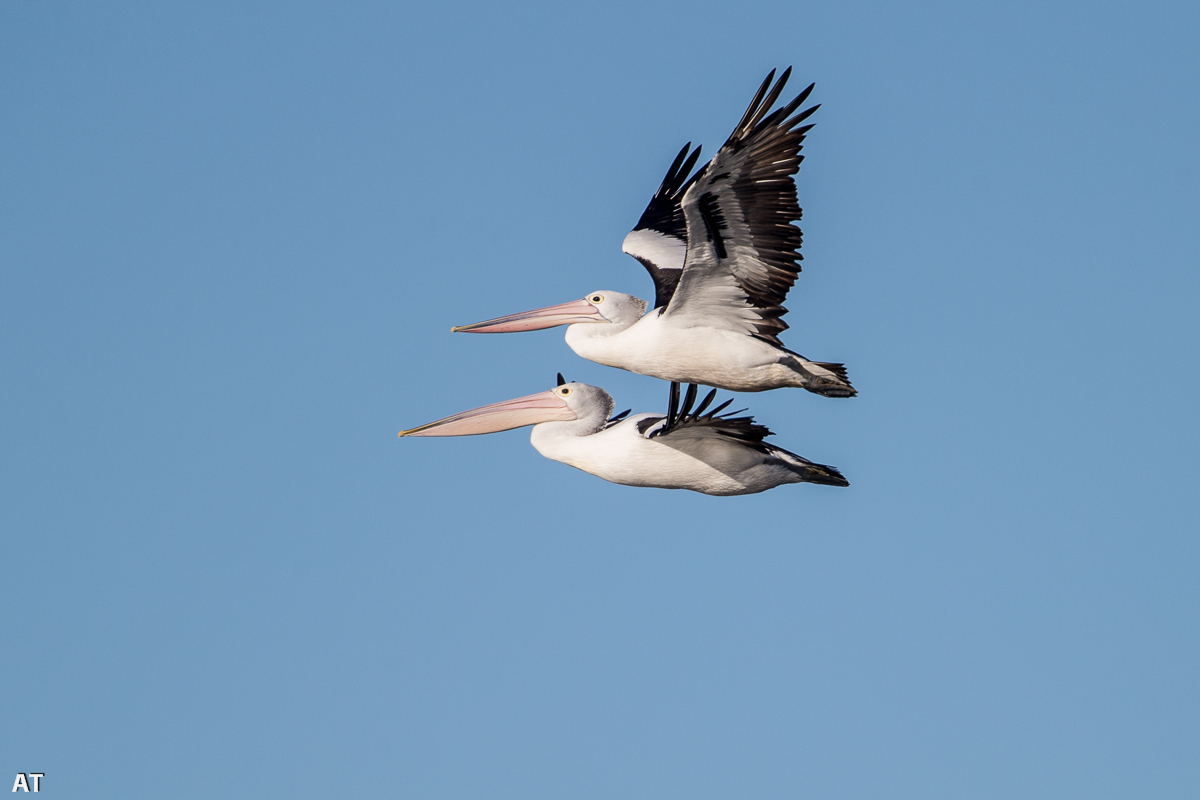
x=621 y=454
x=683 y=450
x=723 y=253
x=701 y=354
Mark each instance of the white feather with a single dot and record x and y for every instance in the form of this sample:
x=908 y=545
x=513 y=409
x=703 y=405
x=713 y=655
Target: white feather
x=665 y=252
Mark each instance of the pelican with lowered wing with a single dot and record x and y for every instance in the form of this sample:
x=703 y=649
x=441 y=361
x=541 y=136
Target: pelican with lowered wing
x=690 y=447
x=723 y=251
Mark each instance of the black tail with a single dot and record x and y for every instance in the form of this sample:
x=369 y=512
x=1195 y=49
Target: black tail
x=820 y=473
x=827 y=388
x=836 y=369
x=832 y=381
x=810 y=471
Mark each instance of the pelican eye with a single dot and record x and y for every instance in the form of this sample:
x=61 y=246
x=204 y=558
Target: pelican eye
x=596 y=298
x=564 y=390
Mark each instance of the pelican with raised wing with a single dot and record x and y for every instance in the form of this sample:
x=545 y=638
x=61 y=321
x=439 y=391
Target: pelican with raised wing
x=723 y=253
x=686 y=448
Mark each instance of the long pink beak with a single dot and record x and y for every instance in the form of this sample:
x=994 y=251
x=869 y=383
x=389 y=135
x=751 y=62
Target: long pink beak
x=528 y=410
x=548 y=317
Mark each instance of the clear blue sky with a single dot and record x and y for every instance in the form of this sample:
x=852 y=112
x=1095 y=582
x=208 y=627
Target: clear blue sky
x=234 y=237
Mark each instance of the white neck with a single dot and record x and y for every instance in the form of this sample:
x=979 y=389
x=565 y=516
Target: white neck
x=598 y=330
x=608 y=346
x=555 y=439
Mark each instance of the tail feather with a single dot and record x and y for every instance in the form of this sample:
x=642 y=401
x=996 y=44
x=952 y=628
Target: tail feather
x=844 y=390
x=836 y=369
x=823 y=474
x=822 y=377
x=810 y=471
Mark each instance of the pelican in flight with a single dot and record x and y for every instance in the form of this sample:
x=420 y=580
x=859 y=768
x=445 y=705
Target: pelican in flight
x=685 y=449
x=723 y=253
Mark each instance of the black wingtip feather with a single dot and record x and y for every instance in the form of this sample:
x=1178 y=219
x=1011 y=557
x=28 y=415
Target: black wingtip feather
x=805 y=114
x=708 y=398
x=807 y=91
x=675 y=165
x=721 y=407
x=754 y=104
x=690 y=164
x=689 y=399
x=769 y=101
x=675 y=178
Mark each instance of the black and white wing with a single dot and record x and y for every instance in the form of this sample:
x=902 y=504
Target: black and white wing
x=727 y=442
x=659 y=240
x=743 y=250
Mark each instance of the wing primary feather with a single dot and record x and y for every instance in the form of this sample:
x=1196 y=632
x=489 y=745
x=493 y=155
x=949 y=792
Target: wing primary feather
x=800 y=98
x=758 y=96
x=689 y=400
x=561 y=379
x=672 y=405
x=708 y=398
x=720 y=408
x=669 y=181
x=763 y=107
x=665 y=187
x=690 y=164
x=787 y=110
x=776 y=90
x=676 y=175
x=803 y=115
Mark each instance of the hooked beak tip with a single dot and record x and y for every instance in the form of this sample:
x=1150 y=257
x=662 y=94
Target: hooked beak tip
x=455 y=328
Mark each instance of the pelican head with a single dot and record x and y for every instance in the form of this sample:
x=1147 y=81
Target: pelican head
x=588 y=406
x=614 y=308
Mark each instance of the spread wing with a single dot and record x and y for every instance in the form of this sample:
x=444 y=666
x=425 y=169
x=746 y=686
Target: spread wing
x=659 y=240
x=743 y=251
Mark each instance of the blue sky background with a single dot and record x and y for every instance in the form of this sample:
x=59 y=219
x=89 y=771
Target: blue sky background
x=234 y=238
